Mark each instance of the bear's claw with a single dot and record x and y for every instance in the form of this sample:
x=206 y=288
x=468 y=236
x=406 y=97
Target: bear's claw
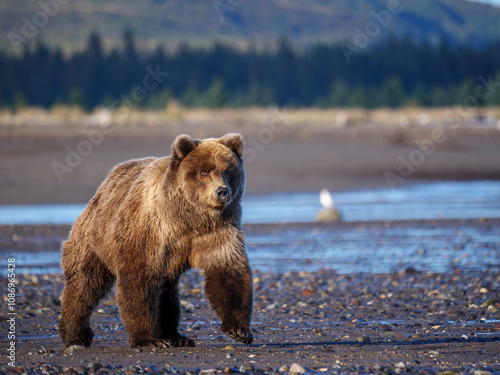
x=167 y=342
x=240 y=335
x=179 y=340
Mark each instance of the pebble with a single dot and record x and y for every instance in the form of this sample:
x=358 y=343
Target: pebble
x=493 y=309
x=247 y=367
x=229 y=347
x=211 y=371
x=74 y=348
x=296 y=368
x=284 y=368
x=364 y=339
x=94 y=368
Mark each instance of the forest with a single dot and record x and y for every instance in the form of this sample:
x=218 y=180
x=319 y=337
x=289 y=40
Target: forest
x=395 y=73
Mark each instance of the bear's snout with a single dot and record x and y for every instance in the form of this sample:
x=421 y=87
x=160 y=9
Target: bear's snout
x=222 y=193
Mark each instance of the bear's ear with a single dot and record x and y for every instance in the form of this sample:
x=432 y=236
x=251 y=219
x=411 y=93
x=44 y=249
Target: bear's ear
x=183 y=145
x=234 y=141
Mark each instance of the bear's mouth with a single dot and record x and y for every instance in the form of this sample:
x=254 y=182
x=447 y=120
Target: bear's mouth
x=219 y=206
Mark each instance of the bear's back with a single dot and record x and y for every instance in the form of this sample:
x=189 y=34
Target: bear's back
x=114 y=190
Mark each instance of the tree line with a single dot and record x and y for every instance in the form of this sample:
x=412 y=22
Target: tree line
x=395 y=73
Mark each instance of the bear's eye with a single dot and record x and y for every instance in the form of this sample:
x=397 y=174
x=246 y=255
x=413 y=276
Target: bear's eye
x=204 y=172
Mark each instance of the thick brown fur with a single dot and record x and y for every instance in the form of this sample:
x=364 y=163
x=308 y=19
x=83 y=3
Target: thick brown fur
x=151 y=220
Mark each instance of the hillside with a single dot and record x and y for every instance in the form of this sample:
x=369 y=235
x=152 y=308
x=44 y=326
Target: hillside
x=261 y=22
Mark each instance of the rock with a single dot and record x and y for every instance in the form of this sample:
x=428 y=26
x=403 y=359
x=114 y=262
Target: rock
x=296 y=368
x=74 y=348
x=94 y=368
x=103 y=371
x=364 y=339
x=482 y=372
x=457 y=314
x=247 y=367
x=328 y=215
x=488 y=303
x=80 y=370
x=493 y=309
x=187 y=305
x=229 y=347
x=284 y=368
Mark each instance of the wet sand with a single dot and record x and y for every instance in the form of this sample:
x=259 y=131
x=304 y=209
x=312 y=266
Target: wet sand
x=298 y=157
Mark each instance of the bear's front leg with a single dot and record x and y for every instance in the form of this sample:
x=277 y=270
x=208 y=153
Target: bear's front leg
x=229 y=289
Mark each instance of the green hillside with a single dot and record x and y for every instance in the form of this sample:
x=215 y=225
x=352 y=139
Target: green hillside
x=261 y=22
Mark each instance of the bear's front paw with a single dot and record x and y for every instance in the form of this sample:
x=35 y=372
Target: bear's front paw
x=179 y=340
x=167 y=342
x=158 y=343
x=238 y=334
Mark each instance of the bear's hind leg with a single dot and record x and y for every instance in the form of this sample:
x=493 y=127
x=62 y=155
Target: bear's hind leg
x=136 y=296
x=86 y=284
x=168 y=316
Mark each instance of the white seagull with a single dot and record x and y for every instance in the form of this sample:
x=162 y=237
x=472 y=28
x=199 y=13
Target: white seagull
x=326 y=198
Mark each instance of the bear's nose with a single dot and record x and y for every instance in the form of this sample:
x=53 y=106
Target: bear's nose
x=222 y=193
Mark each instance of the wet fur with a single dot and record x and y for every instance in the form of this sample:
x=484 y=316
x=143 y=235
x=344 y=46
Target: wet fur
x=151 y=220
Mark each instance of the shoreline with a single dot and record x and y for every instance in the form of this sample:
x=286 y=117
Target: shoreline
x=292 y=158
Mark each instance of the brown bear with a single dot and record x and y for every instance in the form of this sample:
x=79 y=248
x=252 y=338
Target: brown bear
x=151 y=220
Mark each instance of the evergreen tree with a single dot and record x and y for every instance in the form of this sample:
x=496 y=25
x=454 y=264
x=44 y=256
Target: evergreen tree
x=392 y=93
x=339 y=96
x=392 y=74
x=216 y=96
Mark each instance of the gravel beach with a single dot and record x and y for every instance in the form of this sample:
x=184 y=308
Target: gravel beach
x=407 y=322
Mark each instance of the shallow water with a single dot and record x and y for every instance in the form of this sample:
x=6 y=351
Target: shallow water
x=376 y=247
x=370 y=247
x=437 y=200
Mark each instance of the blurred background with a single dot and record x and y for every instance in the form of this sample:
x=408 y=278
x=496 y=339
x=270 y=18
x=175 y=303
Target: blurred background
x=392 y=106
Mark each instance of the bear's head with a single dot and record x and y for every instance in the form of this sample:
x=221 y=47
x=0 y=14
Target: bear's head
x=209 y=172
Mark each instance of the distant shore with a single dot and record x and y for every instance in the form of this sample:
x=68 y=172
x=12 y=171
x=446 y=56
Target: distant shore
x=62 y=157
